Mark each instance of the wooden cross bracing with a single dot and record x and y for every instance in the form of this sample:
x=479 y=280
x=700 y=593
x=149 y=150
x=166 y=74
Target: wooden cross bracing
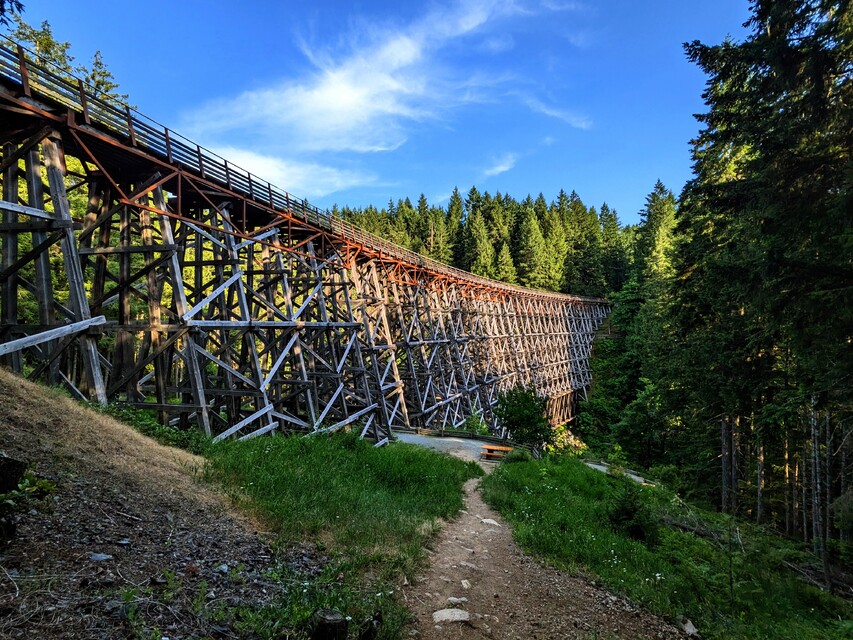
x=138 y=268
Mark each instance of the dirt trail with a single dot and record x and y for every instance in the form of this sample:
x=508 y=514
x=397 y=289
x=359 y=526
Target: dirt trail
x=509 y=594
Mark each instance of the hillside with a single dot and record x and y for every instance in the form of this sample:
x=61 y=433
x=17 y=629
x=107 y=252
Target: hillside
x=129 y=542
x=128 y=539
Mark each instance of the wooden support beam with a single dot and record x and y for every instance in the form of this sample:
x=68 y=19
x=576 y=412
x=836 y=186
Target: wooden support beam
x=55 y=165
x=51 y=334
x=9 y=255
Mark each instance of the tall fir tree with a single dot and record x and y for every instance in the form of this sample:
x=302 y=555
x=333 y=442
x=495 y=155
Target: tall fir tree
x=455 y=215
x=614 y=259
x=583 y=265
x=653 y=244
x=102 y=81
x=438 y=243
x=533 y=256
x=43 y=43
x=9 y=8
x=497 y=218
x=482 y=253
x=540 y=206
x=504 y=268
x=556 y=248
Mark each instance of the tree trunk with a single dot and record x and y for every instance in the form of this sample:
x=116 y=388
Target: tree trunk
x=816 y=498
x=844 y=534
x=787 y=470
x=733 y=465
x=804 y=492
x=819 y=531
x=828 y=491
x=725 y=443
x=759 y=497
x=329 y=625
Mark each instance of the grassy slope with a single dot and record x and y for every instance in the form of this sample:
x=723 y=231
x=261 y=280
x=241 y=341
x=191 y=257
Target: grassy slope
x=373 y=509
x=560 y=509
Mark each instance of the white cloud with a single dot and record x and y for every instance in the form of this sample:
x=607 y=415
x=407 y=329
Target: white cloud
x=360 y=101
x=308 y=179
x=498 y=43
x=580 y=39
x=440 y=199
x=502 y=165
x=365 y=97
x=555 y=5
x=572 y=119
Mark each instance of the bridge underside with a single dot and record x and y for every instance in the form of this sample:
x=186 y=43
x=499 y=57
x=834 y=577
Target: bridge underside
x=139 y=267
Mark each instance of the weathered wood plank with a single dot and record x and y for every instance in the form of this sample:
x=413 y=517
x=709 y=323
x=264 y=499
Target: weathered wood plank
x=50 y=334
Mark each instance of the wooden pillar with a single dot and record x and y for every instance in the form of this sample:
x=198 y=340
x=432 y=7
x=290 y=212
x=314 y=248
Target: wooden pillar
x=55 y=164
x=43 y=282
x=9 y=288
x=188 y=355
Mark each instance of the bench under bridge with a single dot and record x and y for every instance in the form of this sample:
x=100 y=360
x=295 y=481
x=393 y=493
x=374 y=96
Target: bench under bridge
x=140 y=267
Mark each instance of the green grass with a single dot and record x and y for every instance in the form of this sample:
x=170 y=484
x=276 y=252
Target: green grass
x=145 y=421
x=730 y=583
x=373 y=509
x=345 y=493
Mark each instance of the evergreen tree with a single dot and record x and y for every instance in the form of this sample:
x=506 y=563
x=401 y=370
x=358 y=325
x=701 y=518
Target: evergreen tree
x=455 y=213
x=556 y=249
x=580 y=243
x=654 y=238
x=540 y=206
x=583 y=265
x=472 y=201
x=533 y=255
x=101 y=79
x=421 y=228
x=496 y=218
x=437 y=242
x=562 y=205
x=407 y=226
x=627 y=408
x=9 y=7
x=614 y=255
x=482 y=253
x=43 y=43
x=504 y=268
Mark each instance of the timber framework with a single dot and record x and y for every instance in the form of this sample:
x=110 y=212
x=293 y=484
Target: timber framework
x=137 y=266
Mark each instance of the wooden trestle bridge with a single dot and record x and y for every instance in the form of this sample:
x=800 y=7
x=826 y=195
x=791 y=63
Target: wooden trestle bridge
x=190 y=287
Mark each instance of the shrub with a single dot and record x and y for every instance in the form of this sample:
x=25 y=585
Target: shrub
x=517 y=455
x=566 y=442
x=630 y=515
x=475 y=424
x=522 y=412
x=617 y=461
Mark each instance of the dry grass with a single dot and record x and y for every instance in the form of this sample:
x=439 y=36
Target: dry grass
x=122 y=494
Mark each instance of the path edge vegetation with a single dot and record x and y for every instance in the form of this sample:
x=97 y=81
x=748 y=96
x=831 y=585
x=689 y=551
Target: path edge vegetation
x=730 y=578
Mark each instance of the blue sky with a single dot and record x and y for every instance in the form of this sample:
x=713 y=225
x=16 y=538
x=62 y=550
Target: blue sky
x=360 y=102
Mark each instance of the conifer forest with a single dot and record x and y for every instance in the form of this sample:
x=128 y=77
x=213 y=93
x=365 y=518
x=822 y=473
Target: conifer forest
x=727 y=365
